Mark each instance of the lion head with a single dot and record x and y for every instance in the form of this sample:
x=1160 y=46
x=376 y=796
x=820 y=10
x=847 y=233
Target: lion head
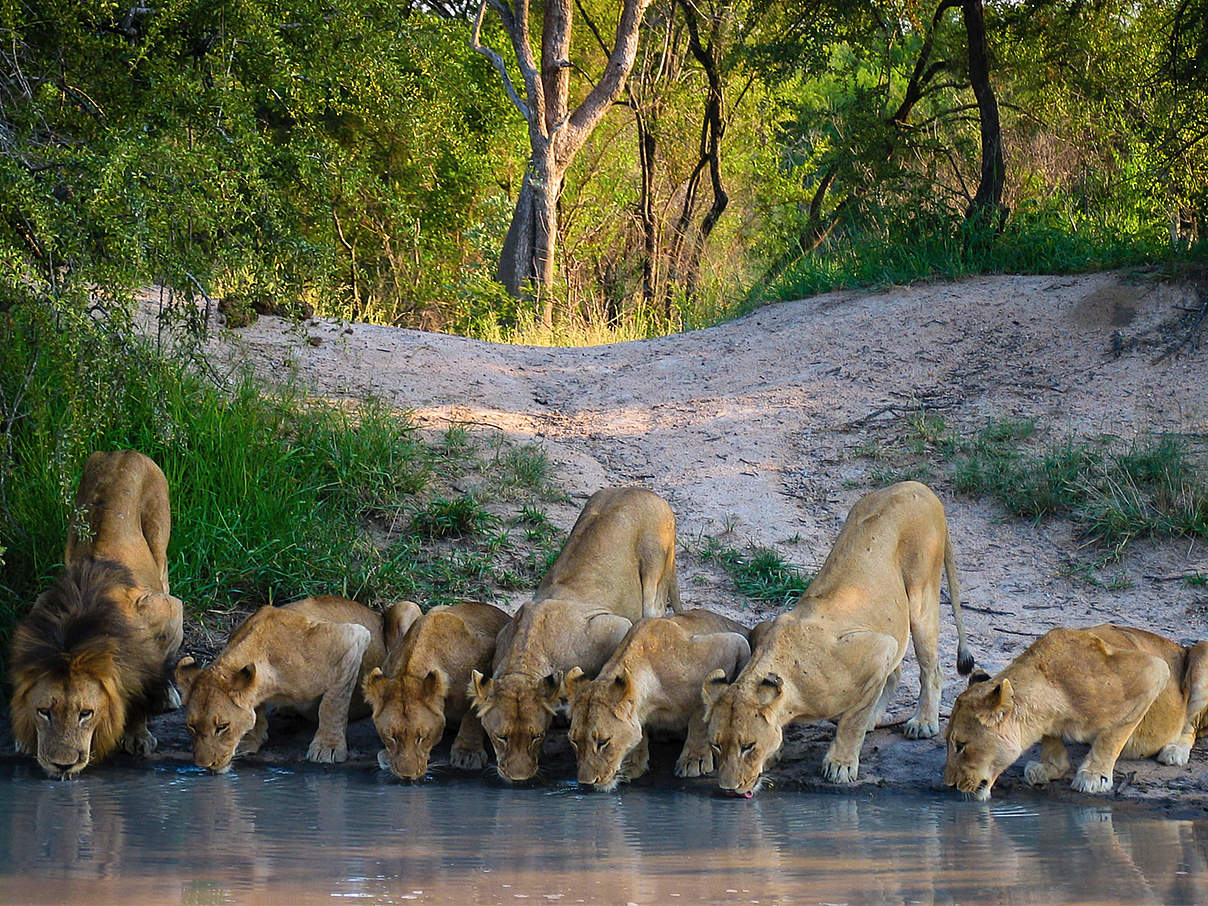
x=604 y=727
x=77 y=668
x=515 y=711
x=220 y=710
x=409 y=714
x=744 y=728
x=983 y=739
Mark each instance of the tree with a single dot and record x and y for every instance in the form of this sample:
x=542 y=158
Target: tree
x=556 y=133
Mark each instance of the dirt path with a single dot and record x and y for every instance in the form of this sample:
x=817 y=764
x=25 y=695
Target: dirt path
x=751 y=430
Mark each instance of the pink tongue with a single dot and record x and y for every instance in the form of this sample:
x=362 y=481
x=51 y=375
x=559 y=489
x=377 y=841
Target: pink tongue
x=747 y=795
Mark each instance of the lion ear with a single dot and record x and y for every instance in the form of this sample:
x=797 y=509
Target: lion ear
x=1002 y=699
x=770 y=688
x=374 y=687
x=187 y=671
x=243 y=678
x=478 y=689
x=435 y=684
x=711 y=690
x=572 y=682
x=978 y=676
x=551 y=689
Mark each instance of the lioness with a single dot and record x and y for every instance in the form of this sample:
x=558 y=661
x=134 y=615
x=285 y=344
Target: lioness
x=313 y=650
x=423 y=685
x=617 y=566
x=652 y=682
x=1125 y=691
x=89 y=663
x=838 y=653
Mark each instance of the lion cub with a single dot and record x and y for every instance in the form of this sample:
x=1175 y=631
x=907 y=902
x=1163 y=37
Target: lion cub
x=423 y=685
x=838 y=653
x=1127 y=692
x=617 y=566
x=652 y=682
x=313 y=650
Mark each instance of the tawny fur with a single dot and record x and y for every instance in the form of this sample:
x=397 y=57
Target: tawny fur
x=89 y=662
x=617 y=566
x=838 y=654
x=309 y=656
x=1127 y=692
x=651 y=683
x=422 y=688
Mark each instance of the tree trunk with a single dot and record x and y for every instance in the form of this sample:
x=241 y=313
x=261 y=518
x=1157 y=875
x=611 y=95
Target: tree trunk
x=556 y=133
x=986 y=208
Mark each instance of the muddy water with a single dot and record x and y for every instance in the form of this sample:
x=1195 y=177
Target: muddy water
x=170 y=834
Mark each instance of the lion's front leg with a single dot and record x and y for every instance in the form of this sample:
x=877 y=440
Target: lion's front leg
x=256 y=737
x=137 y=740
x=1054 y=762
x=469 y=752
x=636 y=762
x=696 y=757
x=329 y=743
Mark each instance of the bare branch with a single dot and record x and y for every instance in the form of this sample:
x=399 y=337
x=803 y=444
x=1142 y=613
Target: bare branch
x=612 y=83
x=497 y=61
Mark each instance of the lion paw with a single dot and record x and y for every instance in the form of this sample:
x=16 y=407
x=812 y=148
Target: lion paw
x=327 y=753
x=694 y=764
x=1090 y=782
x=838 y=771
x=468 y=759
x=139 y=742
x=1174 y=753
x=1036 y=773
x=921 y=728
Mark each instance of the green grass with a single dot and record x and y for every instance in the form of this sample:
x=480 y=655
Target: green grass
x=890 y=247
x=1113 y=490
x=274 y=495
x=758 y=573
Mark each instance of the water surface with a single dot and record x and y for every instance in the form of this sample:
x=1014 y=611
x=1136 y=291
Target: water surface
x=171 y=834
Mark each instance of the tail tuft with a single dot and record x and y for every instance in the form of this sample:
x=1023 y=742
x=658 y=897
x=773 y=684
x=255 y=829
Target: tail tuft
x=964 y=661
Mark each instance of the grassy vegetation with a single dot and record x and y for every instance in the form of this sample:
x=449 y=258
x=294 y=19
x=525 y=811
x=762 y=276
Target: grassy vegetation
x=758 y=573
x=274 y=495
x=1113 y=490
x=904 y=249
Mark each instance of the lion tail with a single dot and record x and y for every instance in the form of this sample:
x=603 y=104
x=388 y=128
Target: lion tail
x=964 y=657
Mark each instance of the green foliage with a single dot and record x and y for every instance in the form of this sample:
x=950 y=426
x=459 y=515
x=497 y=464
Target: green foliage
x=1113 y=491
x=759 y=573
x=274 y=495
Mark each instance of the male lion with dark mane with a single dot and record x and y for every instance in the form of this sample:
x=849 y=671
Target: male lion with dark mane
x=90 y=662
x=838 y=653
x=1128 y=692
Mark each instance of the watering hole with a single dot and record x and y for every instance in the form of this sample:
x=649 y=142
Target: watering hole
x=172 y=834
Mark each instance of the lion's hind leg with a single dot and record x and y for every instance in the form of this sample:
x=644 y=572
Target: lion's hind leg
x=925 y=636
x=1144 y=676
x=1195 y=691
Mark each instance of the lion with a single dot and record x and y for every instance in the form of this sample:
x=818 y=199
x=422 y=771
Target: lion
x=1127 y=692
x=617 y=566
x=422 y=686
x=89 y=663
x=316 y=650
x=652 y=682
x=838 y=653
